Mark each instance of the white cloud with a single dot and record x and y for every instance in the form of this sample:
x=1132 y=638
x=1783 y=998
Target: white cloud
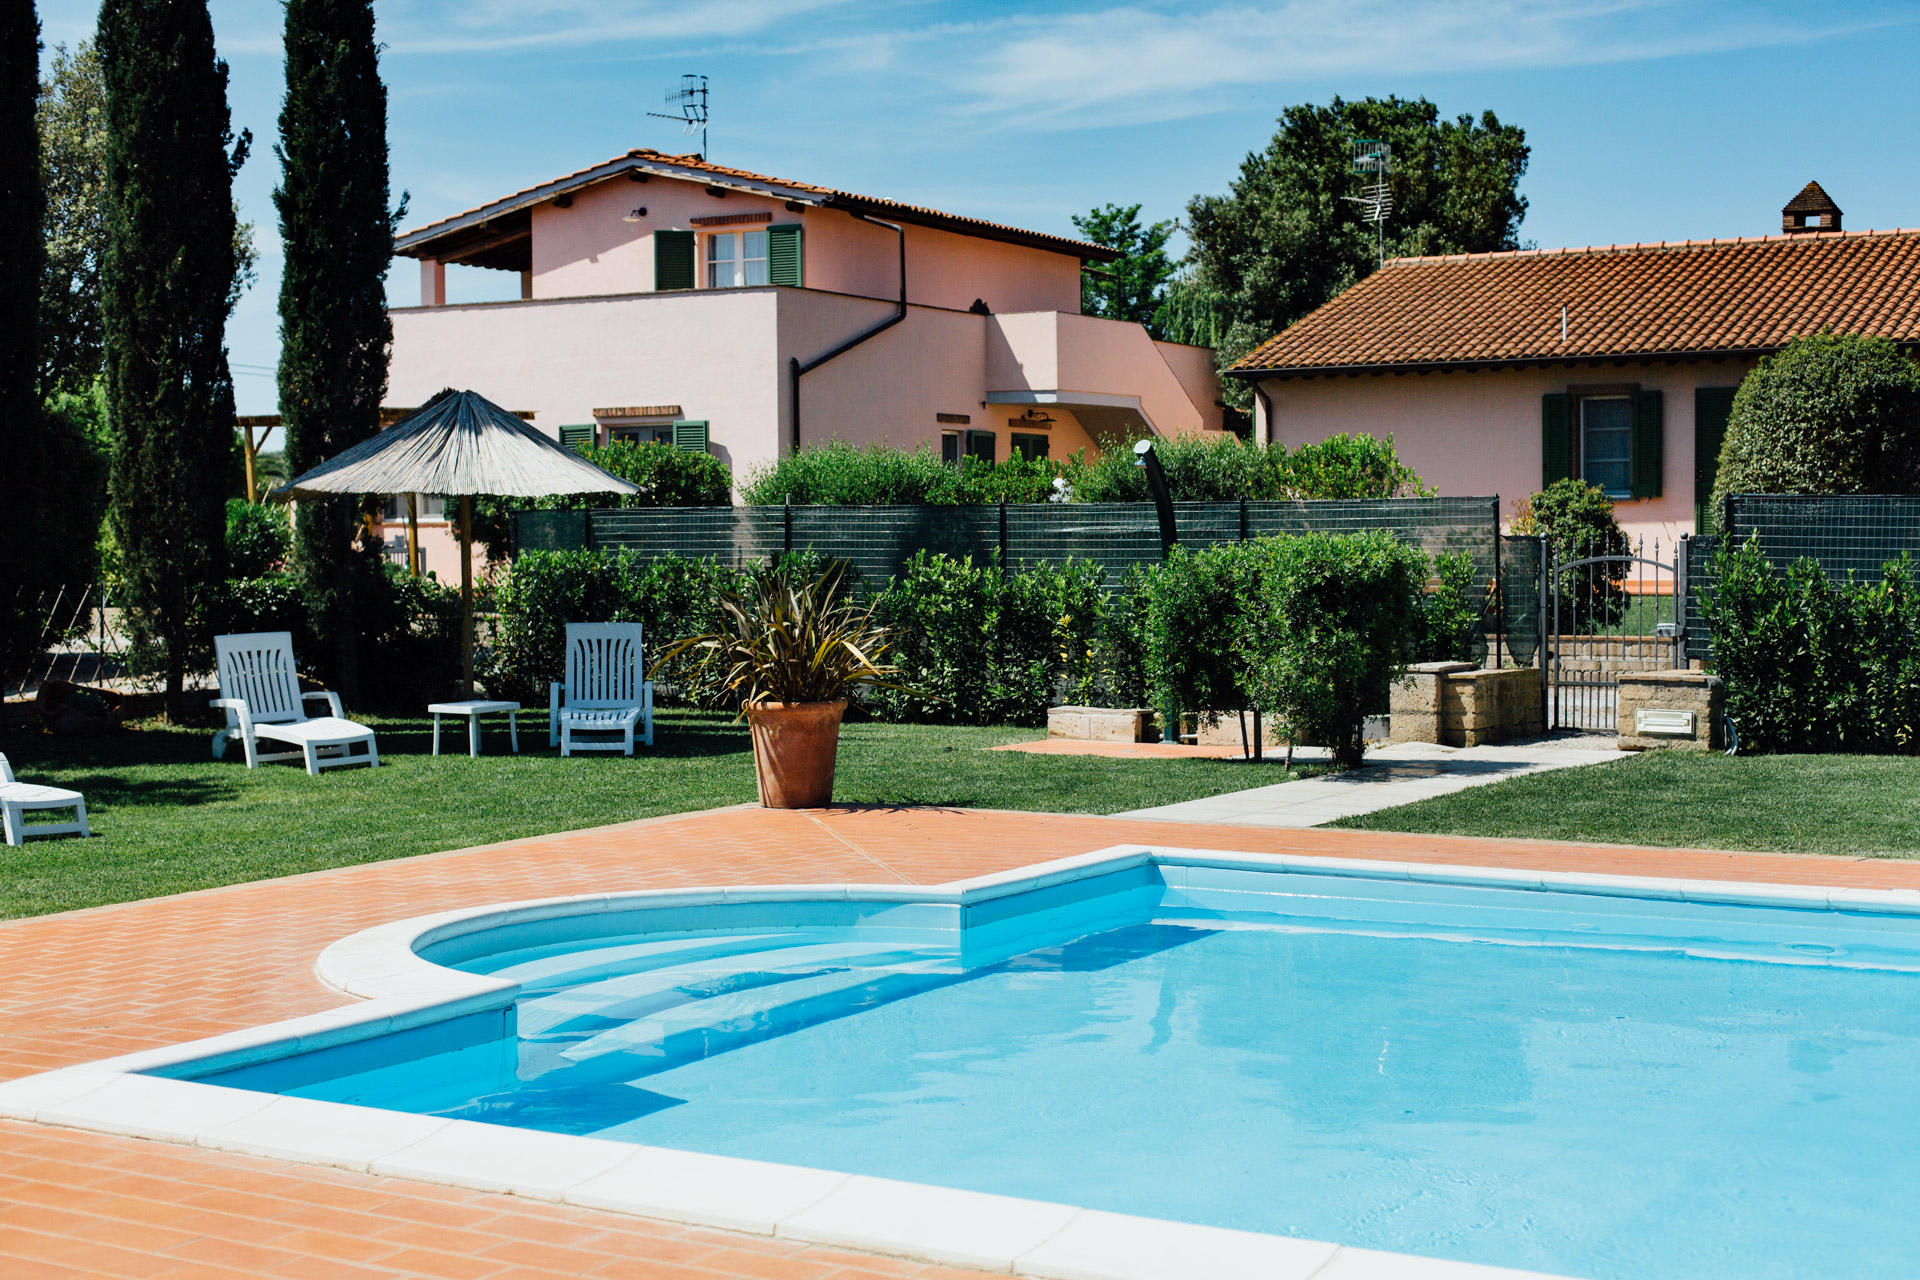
x=1135 y=63
x=497 y=26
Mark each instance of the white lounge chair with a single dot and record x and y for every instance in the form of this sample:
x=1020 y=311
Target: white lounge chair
x=606 y=693
x=18 y=797
x=261 y=695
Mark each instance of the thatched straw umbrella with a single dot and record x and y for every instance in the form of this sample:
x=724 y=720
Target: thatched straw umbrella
x=460 y=444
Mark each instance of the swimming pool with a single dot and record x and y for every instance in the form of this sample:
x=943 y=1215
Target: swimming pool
x=1589 y=1076
x=1590 y=1085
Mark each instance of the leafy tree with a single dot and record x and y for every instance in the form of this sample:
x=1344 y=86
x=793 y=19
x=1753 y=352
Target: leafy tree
x=73 y=150
x=168 y=280
x=1191 y=311
x=1285 y=238
x=1829 y=413
x=20 y=433
x=1133 y=286
x=73 y=144
x=337 y=228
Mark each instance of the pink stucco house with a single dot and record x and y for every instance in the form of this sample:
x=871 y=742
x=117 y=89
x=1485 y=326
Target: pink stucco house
x=657 y=289
x=1498 y=373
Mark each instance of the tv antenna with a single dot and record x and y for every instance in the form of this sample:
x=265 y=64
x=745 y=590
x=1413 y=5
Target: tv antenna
x=1373 y=161
x=691 y=99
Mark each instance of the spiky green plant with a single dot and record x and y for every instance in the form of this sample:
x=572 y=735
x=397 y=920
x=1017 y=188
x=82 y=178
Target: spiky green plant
x=792 y=637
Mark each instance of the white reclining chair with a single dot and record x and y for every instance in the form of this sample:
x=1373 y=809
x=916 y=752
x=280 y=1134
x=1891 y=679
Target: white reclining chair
x=17 y=797
x=261 y=695
x=606 y=693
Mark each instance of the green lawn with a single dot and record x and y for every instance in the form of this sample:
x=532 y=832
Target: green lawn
x=1855 y=805
x=168 y=818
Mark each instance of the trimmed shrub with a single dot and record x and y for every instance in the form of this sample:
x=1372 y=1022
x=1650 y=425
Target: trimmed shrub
x=1195 y=615
x=1199 y=468
x=839 y=474
x=1226 y=468
x=1830 y=413
x=1813 y=663
x=977 y=643
x=1329 y=631
x=542 y=591
x=258 y=538
x=409 y=641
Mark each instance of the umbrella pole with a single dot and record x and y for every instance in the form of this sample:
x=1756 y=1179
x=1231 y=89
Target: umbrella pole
x=466 y=596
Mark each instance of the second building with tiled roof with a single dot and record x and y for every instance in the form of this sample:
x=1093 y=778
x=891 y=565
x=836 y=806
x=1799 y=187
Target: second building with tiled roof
x=1499 y=373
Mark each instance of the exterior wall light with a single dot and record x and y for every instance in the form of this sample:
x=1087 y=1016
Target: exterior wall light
x=636 y=214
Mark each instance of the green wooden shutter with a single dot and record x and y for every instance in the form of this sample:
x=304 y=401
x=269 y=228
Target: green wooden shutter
x=690 y=437
x=1556 y=438
x=784 y=257
x=672 y=260
x=1649 y=444
x=1712 y=407
x=577 y=437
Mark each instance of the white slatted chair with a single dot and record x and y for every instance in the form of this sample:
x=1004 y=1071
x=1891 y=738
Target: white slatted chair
x=17 y=797
x=261 y=695
x=606 y=694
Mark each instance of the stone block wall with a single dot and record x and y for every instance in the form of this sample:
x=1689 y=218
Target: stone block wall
x=1100 y=724
x=1692 y=694
x=1458 y=705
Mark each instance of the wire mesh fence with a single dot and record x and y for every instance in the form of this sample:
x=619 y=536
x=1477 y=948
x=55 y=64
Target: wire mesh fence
x=78 y=636
x=879 y=540
x=1843 y=533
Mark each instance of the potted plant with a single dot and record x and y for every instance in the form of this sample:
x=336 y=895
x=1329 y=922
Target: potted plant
x=796 y=647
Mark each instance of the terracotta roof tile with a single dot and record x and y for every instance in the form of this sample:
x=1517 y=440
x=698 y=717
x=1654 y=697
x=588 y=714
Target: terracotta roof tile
x=1745 y=296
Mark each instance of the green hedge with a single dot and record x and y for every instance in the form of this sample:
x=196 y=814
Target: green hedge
x=1310 y=630
x=1813 y=663
x=978 y=642
x=542 y=591
x=1199 y=468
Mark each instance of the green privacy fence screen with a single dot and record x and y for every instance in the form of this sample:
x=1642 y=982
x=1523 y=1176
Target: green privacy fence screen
x=1852 y=533
x=878 y=541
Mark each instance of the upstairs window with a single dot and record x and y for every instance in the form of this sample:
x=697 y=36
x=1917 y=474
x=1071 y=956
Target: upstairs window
x=736 y=258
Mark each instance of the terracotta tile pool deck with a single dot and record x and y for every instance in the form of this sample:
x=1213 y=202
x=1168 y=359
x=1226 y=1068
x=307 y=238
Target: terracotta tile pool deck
x=91 y=984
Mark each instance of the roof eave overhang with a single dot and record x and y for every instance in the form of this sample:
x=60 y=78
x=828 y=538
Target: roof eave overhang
x=1522 y=362
x=418 y=243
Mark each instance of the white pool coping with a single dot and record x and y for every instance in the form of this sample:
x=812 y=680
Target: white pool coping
x=1032 y=1238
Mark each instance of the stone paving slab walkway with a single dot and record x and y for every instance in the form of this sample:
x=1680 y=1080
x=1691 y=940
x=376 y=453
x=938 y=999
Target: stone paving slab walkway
x=90 y=984
x=1393 y=776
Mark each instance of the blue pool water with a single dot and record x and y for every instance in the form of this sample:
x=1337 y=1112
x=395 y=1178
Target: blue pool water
x=1587 y=1086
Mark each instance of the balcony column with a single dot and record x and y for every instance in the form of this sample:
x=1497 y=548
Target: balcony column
x=433 y=283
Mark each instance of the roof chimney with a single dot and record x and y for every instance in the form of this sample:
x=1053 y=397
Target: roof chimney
x=1812 y=210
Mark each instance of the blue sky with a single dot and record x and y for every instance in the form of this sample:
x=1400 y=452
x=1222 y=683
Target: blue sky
x=1649 y=119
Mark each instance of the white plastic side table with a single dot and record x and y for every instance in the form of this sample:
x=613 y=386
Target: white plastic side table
x=473 y=710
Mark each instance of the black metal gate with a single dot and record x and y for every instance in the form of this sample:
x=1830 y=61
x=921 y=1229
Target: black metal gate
x=1620 y=610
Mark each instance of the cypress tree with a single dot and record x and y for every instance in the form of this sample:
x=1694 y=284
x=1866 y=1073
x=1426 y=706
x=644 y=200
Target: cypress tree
x=334 y=332
x=168 y=284
x=20 y=265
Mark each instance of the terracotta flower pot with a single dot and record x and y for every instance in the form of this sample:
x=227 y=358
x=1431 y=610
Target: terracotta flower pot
x=794 y=745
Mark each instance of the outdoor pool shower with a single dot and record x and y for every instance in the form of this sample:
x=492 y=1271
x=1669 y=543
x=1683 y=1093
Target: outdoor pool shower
x=1144 y=456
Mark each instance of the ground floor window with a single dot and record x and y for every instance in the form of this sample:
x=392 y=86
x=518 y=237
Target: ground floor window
x=952 y=448
x=1606 y=444
x=643 y=433
x=1031 y=447
x=394 y=508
